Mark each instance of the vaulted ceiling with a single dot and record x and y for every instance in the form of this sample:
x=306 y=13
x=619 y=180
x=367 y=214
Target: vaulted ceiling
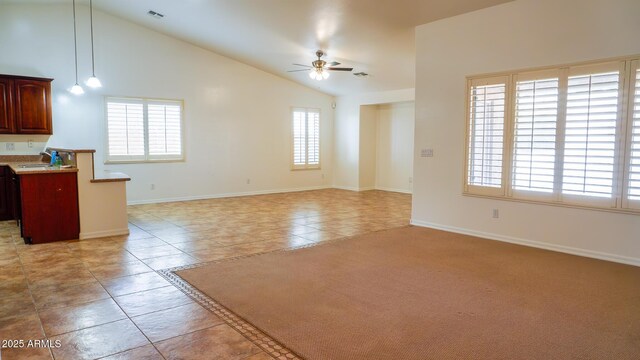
x=376 y=37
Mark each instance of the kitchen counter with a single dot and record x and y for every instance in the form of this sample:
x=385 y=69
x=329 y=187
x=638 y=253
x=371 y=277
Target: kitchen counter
x=15 y=167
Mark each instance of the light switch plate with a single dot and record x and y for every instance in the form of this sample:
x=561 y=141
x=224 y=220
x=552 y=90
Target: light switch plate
x=426 y=153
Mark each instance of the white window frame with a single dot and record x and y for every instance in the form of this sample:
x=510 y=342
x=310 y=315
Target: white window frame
x=490 y=191
x=619 y=202
x=306 y=165
x=147 y=157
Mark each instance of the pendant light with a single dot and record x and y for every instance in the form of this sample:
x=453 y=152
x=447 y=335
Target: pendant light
x=93 y=81
x=75 y=89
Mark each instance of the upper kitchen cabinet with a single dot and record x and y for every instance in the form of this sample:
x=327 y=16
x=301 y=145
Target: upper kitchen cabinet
x=25 y=105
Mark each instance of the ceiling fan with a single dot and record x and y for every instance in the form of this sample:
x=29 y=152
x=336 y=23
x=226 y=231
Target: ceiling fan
x=319 y=69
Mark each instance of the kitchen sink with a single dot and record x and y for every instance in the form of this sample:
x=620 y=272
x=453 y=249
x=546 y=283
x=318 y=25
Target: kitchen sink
x=34 y=166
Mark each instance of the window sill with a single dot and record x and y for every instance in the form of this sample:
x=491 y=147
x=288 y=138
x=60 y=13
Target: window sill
x=557 y=204
x=124 y=162
x=308 y=168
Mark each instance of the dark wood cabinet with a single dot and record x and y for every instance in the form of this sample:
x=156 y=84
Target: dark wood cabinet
x=6 y=210
x=25 y=105
x=6 y=106
x=49 y=207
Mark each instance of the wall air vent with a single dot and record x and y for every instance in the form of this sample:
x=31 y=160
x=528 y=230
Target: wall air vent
x=361 y=74
x=155 y=14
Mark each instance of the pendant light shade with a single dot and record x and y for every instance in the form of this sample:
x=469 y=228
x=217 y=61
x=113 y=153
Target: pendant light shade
x=75 y=89
x=93 y=81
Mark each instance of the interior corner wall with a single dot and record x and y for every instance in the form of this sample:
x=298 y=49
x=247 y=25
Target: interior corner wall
x=394 y=147
x=515 y=35
x=237 y=118
x=346 y=133
x=367 y=151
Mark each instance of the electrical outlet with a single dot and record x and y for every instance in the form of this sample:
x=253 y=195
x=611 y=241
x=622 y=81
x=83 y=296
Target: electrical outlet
x=10 y=146
x=248 y=181
x=153 y=186
x=410 y=180
x=496 y=213
x=30 y=143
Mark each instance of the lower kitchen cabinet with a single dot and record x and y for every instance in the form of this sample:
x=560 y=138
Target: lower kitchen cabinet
x=49 y=207
x=6 y=197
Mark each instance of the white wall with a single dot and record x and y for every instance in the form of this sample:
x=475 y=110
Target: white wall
x=516 y=35
x=237 y=117
x=347 y=131
x=368 y=139
x=394 y=146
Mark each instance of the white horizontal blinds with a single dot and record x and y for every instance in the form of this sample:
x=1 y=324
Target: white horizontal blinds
x=486 y=134
x=590 y=135
x=125 y=129
x=633 y=184
x=165 y=133
x=299 y=137
x=313 y=138
x=534 y=146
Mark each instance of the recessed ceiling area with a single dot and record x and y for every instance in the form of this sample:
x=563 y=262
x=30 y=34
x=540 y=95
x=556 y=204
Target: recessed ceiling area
x=376 y=38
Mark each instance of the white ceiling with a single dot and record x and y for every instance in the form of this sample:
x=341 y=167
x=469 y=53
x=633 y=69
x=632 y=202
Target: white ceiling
x=376 y=37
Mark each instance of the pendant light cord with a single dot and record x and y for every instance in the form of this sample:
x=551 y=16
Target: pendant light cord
x=75 y=38
x=93 y=62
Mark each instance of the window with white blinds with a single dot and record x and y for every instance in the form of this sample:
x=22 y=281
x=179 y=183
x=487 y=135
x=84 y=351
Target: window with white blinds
x=590 y=135
x=143 y=130
x=534 y=141
x=305 y=138
x=572 y=135
x=485 y=148
x=633 y=179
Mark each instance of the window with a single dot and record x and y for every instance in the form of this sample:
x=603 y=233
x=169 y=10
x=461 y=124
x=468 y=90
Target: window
x=569 y=135
x=487 y=101
x=633 y=179
x=306 y=138
x=144 y=130
x=534 y=139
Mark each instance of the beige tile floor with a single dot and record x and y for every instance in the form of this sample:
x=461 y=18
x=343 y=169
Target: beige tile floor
x=102 y=298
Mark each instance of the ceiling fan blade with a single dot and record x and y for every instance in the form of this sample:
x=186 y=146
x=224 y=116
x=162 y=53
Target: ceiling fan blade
x=339 y=69
x=334 y=63
x=303 y=65
x=297 y=70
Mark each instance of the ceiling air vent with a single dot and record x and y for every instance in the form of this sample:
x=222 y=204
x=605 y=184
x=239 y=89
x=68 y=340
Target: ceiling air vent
x=154 y=14
x=361 y=74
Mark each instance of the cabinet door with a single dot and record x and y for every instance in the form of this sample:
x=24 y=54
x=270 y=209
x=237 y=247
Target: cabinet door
x=4 y=194
x=49 y=207
x=6 y=106
x=32 y=106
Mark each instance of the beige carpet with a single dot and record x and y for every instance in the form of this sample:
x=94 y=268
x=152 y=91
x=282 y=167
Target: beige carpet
x=415 y=293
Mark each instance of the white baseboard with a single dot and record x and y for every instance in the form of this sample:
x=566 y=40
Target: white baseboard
x=104 y=233
x=403 y=191
x=366 y=188
x=349 y=188
x=225 y=195
x=531 y=243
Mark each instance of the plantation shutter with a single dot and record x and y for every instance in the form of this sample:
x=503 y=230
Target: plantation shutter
x=299 y=138
x=486 y=123
x=306 y=139
x=125 y=129
x=633 y=177
x=590 y=135
x=534 y=144
x=313 y=138
x=165 y=138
